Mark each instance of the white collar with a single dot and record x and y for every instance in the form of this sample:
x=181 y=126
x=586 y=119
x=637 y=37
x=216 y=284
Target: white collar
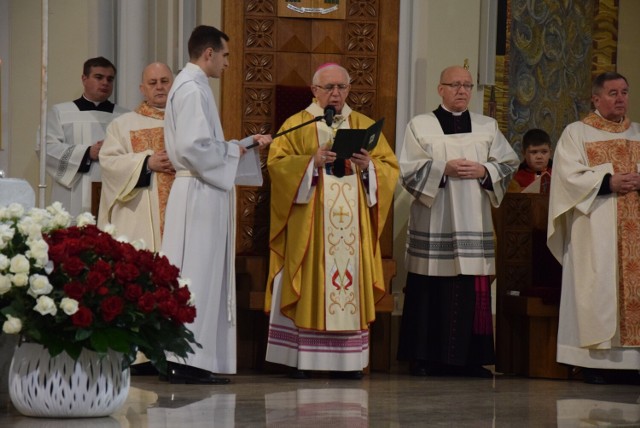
x=455 y=113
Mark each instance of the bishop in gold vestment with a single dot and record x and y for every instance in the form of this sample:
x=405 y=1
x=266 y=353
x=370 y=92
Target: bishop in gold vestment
x=325 y=272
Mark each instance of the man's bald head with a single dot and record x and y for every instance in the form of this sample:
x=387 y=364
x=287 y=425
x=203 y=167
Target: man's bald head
x=156 y=83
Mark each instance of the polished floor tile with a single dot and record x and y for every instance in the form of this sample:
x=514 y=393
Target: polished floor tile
x=379 y=400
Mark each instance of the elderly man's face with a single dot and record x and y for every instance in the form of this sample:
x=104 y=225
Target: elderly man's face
x=156 y=83
x=613 y=99
x=455 y=89
x=332 y=88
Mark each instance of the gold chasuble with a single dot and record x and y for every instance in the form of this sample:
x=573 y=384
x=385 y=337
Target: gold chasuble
x=624 y=155
x=327 y=247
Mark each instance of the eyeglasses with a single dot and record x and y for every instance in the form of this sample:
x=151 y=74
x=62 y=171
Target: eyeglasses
x=329 y=88
x=458 y=85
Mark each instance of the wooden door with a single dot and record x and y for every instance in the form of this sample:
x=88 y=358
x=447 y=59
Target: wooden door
x=270 y=49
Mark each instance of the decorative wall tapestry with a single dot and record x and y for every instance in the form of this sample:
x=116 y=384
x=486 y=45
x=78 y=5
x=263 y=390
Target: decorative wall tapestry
x=554 y=49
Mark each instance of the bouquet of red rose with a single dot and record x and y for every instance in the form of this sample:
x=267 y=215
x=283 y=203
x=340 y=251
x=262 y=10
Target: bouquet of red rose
x=73 y=287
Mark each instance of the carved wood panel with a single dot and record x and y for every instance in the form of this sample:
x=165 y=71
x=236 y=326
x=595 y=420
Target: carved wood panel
x=277 y=50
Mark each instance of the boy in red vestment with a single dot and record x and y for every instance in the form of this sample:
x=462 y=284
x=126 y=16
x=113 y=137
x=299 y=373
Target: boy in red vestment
x=536 y=148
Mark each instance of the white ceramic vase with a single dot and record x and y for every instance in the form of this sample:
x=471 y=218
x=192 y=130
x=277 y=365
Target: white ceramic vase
x=59 y=387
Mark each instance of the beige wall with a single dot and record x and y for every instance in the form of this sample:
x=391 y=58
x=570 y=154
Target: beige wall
x=210 y=13
x=69 y=47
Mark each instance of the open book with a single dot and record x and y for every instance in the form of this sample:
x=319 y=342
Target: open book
x=350 y=141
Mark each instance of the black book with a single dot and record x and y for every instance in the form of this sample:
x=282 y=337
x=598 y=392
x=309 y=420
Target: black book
x=350 y=141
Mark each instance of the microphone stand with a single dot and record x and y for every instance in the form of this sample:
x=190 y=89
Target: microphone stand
x=286 y=131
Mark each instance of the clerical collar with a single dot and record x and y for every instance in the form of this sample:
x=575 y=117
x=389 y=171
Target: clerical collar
x=455 y=113
x=600 y=114
x=84 y=104
x=453 y=124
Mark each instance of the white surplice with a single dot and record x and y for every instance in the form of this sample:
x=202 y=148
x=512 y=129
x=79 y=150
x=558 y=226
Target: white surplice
x=199 y=235
x=450 y=228
x=70 y=132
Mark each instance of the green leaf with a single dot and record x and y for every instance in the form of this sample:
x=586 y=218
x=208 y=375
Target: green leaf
x=99 y=341
x=118 y=340
x=73 y=349
x=82 y=334
x=54 y=348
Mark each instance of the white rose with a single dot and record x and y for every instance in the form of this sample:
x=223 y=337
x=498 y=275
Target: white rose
x=39 y=251
x=57 y=208
x=4 y=262
x=46 y=306
x=139 y=244
x=45 y=220
x=19 y=264
x=16 y=210
x=69 y=306
x=7 y=233
x=85 y=219
x=4 y=213
x=122 y=238
x=40 y=216
x=48 y=267
x=39 y=284
x=12 y=325
x=110 y=229
x=192 y=299
x=60 y=220
x=5 y=284
x=20 y=279
x=27 y=226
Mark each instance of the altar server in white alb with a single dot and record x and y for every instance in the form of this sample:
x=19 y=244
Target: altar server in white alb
x=457 y=165
x=75 y=133
x=136 y=172
x=594 y=218
x=199 y=236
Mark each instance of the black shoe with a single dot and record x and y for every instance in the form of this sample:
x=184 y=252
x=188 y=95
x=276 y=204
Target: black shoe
x=595 y=376
x=418 y=368
x=180 y=373
x=143 y=369
x=477 y=371
x=352 y=375
x=299 y=374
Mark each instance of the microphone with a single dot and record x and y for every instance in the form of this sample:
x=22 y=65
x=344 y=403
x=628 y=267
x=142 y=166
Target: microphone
x=329 y=112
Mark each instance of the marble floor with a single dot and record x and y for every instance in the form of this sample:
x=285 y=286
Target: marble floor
x=379 y=400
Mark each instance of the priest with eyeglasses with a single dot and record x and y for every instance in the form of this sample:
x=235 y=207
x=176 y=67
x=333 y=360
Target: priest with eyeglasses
x=327 y=215
x=456 y=165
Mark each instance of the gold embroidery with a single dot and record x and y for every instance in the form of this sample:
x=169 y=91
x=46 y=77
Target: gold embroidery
x=624 y=155
x=153 y=139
